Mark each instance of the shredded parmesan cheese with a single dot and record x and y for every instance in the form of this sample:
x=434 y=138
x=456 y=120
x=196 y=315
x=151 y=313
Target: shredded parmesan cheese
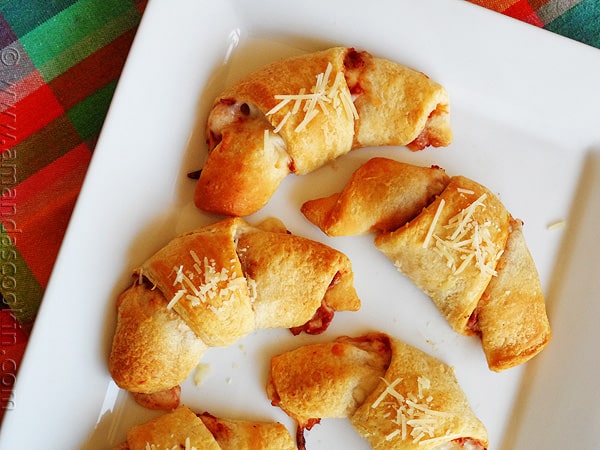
x=434 y=222
x=317 y=101
x=179 y=294
x=214 y=287
x=413 y=413
x=178 y=275
x=556 y=225
x=188 y=444
x=466 y=241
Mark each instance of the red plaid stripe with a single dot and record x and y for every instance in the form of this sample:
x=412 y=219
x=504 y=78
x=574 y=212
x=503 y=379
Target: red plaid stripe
x=522 y=10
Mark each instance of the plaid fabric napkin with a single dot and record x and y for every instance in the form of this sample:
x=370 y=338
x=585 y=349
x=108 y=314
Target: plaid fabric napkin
x=576 y=19
x=59 y=64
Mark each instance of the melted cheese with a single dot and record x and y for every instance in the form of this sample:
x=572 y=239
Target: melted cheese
x=317 y=101
x=252 y=292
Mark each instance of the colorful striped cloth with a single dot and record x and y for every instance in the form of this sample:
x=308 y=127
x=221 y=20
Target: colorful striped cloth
x=59 y=64
x=576 y=19
x=60 y=61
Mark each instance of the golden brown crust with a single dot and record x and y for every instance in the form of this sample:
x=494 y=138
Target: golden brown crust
x=512 y=317
x=396 y=104
x=295 y=269
x=381 y=195
x=242 y=150
x=327 y=380
x=214 y=285
x=325 y=137
x=363 y=101
x=182 y=428
x=455 y=291
x=352 y=376
x=178 y=429
x=427 y=383
x=247 y=435
x=204 y=264
x=153 y=349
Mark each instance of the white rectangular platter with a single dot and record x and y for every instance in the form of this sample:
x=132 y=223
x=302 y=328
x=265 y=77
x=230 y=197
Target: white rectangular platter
x=524 y=108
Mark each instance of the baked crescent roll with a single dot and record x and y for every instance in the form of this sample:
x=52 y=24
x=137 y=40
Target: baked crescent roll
x=381 y=195
x=210 y=287
x=296 y=114
x=456 y=241
x=182 y=428
x=396 y=396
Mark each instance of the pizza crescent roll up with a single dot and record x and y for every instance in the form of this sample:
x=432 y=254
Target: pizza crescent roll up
x=396 y=105
x=296 y=114
x=396 y=396
x=456 y=241
x=214 y=285
x=381 y=195
x=477 y=270
x=182 y=428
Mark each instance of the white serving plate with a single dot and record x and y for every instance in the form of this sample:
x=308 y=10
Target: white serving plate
x=526 y=124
